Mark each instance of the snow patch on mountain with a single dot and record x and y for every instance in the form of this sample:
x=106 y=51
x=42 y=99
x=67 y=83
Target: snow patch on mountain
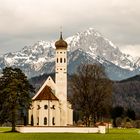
x=83 y=47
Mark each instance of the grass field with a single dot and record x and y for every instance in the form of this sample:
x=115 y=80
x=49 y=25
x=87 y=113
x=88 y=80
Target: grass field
x=114 y=134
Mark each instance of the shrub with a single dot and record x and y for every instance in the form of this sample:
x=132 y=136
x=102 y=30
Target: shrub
x=137 y=123
x=127 y=123
x=118 y=122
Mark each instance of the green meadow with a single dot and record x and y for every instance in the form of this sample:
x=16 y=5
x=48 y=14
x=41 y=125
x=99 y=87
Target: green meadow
x=114 y=134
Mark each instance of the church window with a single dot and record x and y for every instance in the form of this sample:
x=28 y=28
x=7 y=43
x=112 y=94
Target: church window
x=45 y=107
x=53 y=107
x=45 y=121
x=37 y=120
x=38 y=107
x=60 y=60
x=64 y=60
x=60 y=52
x=57 y=60
x=32 y=120
x=53 y=121
x=60 y=69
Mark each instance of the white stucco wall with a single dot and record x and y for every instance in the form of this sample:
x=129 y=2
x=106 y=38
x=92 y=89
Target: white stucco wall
x=60 y=129
x=41 y=113
x=100 y=130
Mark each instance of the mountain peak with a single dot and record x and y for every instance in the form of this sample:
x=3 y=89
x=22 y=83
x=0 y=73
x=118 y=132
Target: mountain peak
x=86 y=46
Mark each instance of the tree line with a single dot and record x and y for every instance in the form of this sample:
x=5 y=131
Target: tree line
x=93 y=95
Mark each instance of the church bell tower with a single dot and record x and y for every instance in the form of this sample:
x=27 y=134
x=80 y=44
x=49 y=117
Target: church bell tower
x=61 y=76
x=61 y=68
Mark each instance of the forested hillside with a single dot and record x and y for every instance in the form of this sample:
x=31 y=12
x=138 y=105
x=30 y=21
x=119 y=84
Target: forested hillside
x=126 y=93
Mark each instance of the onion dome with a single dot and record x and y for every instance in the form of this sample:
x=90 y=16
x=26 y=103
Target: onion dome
x=61 y=44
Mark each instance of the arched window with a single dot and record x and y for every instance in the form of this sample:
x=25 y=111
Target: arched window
x=38 y=107
x=53 y=107
x=37 y=120
x=45 y=121
x=64 y=60
x=45 y=107
x=32 y=120
x=60 y=60
x=53 y=121
x=57 y=60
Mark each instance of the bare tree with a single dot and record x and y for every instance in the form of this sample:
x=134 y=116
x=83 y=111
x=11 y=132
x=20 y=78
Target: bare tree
x=91 y=92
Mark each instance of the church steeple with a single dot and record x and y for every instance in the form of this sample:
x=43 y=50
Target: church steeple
x=50 y=106
x=61 y=44
x=61 y=76
x=61 y=37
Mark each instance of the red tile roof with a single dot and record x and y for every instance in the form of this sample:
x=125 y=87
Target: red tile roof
x=46 y=94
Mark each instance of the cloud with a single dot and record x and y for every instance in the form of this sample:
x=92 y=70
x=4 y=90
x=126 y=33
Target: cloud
x=133 y=50
x=32 y=20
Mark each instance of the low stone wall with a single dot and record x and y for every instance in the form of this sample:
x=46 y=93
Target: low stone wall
x=28 y=129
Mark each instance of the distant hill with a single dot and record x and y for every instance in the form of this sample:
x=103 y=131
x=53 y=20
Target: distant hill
x=134 y=78
x=126 y=93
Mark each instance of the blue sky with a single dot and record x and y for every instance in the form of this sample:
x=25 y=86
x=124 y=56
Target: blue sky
x=24 y=22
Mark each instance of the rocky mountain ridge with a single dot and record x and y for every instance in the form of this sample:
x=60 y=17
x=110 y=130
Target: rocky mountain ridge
x=88 y=46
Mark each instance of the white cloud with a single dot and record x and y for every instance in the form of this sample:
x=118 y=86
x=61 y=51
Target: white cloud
x=133 y=50
x=31 y=20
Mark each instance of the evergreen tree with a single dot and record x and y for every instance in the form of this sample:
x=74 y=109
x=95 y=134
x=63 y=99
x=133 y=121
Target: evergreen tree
x=116 y=112
x=131 y=114
x=14 y=95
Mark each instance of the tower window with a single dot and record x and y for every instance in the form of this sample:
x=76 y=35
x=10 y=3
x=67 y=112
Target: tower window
x=53 y=121
x=53 y=107
x=60 y=52
x=57 y=60
x=45 y=121
x=60 y=60
x=45 y=107
x=64 y=60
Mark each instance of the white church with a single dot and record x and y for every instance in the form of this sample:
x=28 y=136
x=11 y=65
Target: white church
x=50 y=106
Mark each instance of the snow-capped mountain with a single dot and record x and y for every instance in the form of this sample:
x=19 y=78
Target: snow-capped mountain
x=84 y=47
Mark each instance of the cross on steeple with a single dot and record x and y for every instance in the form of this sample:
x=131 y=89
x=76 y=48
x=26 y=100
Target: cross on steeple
x=61 y=32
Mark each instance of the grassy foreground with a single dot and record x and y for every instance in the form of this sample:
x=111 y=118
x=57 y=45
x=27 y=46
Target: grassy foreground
x=114 y=134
